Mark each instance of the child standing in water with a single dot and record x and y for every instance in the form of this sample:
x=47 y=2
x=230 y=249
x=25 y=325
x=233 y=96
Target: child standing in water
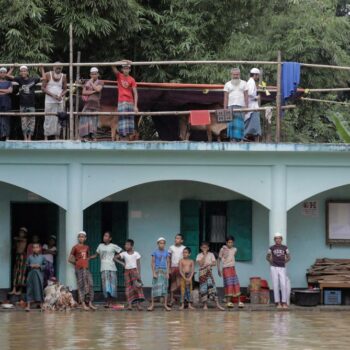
x=107 y=252
x=228 y=272
x=19 y=270
x=186 y=266
x=160 y=270
x=79 y=257
x=132 y=274
x=207 y=289
x=35 y=280
x=175 y=255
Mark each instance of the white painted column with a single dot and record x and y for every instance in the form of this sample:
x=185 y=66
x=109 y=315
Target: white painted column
x=278 y=211
x=74 y=217
x=5 y=246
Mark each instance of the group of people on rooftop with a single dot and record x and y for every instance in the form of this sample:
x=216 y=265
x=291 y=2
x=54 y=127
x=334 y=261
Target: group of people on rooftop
x=238 y=94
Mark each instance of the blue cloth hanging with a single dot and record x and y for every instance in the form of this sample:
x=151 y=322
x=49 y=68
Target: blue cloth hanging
x=290 y=79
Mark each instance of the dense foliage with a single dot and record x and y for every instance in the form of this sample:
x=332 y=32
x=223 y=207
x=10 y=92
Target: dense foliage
x=313 y=31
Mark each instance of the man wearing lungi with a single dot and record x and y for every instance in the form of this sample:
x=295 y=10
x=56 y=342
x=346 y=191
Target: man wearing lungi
x=252 y=127
x=175 y=255
x=228 y=272
x=79 y=257
x=236 y=97
x=127 y=101
x=278 y=255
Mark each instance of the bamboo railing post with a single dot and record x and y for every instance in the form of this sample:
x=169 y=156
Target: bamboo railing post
x=71 y=117
x=278 y=98
x=76 y=120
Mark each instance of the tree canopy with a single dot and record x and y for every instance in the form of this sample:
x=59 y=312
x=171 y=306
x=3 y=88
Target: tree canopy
x=313 y=31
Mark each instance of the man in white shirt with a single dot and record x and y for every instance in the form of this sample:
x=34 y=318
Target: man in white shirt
x=236 y=97
x=252 y=127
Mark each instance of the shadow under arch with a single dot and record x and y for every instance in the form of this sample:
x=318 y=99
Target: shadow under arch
x=170 y=181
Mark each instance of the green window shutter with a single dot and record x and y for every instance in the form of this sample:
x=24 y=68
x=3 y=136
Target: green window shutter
x=189 y=211
x=120 y=233
x=92 y=226
x=239 y=225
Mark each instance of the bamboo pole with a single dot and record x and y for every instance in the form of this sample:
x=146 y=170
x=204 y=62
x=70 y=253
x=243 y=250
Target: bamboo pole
x=77 y=97
x=71 y=117
x=325 y=101
x=324 y=66
x=278 y=98
x=159 y=113
x=328 y=90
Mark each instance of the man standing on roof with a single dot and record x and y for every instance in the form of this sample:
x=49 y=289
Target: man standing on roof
x=55 y=88
x=236 y=97
x=252 y=127
x=26 y=98
x=127 y=100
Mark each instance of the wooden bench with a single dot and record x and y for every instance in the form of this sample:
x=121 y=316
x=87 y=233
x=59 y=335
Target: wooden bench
x=330 y=284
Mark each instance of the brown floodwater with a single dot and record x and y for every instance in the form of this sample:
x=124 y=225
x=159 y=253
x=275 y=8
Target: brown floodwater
x=302 y=330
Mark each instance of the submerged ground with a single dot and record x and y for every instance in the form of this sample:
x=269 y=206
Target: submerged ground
x=298 y=329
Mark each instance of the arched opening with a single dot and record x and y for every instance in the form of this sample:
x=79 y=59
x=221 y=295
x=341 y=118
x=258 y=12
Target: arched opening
x=42 y=218
x=199 y=210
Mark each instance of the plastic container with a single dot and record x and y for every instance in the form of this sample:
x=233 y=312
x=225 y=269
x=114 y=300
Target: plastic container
x=332 y=297
x=254 y=297
x=265 y=296
x=307 y=297
x=255 y=284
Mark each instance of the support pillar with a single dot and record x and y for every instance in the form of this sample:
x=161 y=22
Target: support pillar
x=278 y=212
x=5 y=248
x=74 y=217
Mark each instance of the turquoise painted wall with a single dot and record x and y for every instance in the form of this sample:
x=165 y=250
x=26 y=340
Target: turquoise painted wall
x=307 y=236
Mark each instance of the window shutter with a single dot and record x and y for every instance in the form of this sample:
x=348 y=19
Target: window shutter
x=189 y=211
x=239 y=225
x=92 y=226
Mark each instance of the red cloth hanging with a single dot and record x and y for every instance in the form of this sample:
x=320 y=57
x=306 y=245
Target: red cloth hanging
x=200 y=117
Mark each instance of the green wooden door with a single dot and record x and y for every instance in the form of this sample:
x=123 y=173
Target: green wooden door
x=92 y=226
x=190 y=216
x=120 y=233
x=239 y=225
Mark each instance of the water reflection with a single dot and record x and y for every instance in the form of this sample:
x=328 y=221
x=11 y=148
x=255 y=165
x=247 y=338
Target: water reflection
x=175 y=330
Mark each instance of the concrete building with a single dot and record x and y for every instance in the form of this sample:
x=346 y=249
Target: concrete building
x=146 y=190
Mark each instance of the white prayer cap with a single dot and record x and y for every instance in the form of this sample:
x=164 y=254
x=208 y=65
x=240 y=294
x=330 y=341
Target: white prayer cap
x=161 y=239
x=278 y=235
x=235 y=70
x=255 y=71
x=82 y=233
x=3 y=69
x=94 y=70
x=23 y=67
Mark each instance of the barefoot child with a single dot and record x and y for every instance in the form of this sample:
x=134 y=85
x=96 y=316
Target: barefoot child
x=160 y=270
x=231 y=283
x=49 y=252
x=79 y=257
x=175 y=254
x=35 y=280
x=107 y=252
x=132 y=274
x=207 y=289
x=186 y=266
x=278 y=255
x=19 y=270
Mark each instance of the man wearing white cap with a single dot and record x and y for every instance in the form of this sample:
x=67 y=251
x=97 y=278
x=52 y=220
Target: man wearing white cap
x=160 y=271
x=236 y=97
x=55 y=88
x=278 y=255
x=26 y=98
x=91 y=96
x=5 y=104
x=252 y=127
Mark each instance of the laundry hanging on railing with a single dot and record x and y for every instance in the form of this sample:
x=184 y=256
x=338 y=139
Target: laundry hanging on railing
x=200 y=117
x=290 y=79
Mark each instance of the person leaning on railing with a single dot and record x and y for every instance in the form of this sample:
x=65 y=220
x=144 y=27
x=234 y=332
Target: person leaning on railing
x=26 y=97
x=5 y=104
x=55 y=88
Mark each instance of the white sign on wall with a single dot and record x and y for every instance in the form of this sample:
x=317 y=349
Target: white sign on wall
x=310 y=208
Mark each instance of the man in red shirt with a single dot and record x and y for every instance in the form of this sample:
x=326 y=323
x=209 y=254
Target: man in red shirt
x=79 y=257
x=127 y=101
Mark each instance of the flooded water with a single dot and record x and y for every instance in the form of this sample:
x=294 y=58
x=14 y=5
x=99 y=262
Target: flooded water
x=175 y=330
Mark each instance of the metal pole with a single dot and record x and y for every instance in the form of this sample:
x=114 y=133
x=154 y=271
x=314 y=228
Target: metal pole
x=71 y=118
x=278 y=98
